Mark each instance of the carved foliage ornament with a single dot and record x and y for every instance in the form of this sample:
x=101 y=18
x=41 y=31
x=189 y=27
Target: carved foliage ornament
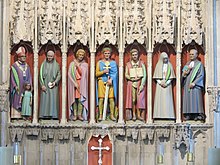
x=215 y=93
x=78 y=21
x=192 y=21
x=164 y=18
x=4 y=98
x=50 y=21
x=135 y=20
x=106 y=21
x=21 y=20
x=182 y=135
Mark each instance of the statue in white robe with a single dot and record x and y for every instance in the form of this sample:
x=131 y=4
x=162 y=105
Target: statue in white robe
x=163 y=102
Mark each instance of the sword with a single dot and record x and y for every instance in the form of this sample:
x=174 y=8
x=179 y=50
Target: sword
x=105 y=102
x=107 y=66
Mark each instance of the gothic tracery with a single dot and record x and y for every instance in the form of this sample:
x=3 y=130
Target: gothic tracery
x=22 y=20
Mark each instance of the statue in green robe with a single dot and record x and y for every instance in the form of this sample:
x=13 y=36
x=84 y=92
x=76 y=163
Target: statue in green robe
x=49 y=82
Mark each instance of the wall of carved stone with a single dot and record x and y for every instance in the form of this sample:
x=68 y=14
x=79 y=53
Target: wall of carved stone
x=121 y=22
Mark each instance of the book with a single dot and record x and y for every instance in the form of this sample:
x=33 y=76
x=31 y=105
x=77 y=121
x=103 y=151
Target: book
x=185 y=68
x=136 y=72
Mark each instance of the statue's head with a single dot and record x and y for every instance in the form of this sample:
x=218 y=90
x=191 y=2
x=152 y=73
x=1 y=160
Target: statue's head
x=80 y=54
x=21 y=53
x=164 y=57
x=27 y=86
x=50 y=55
x=134 y=54
x=107 y=51
x=193 y=53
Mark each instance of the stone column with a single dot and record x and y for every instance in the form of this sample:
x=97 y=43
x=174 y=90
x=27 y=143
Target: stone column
x=149 y=65
x=178 y=87
x=218 y=39
x=178 y=65
x=64 y=84
x=35 y=78
x=121 y=68
x=209 y=116
x=1 y=41
x=5 y=45
x=92 y=88
x=5 y=68
x=149 y=87
x=210 y=56
x=218 y=66
x=92 y=65
x=4 y=106
x=120 y=87
x=64 y=63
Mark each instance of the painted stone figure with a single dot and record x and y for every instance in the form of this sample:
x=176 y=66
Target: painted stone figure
x=49 y=82
x=20 y=73
x=163 y=101
x=193 y=77
x=107 y=85
x=78 y=87
x=135 y=74
x=26 y=101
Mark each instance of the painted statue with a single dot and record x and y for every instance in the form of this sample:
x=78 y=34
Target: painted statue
x=26 y=101
x=107 y=85
x=193 y=77
x=20 y=73
x=78 y=87
x=136 y=76
x=49 y=81
x=163 y=101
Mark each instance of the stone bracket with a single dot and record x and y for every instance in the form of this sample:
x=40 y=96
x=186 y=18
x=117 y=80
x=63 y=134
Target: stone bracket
x=163 y=131
x=64 y=134
x=32 y=131
x=133 y=132
x=16 y=134
x=47 y=134
x=77 y=132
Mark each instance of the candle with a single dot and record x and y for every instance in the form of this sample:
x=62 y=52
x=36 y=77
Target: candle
x=161 y=149
x=16 y=148
x=190 y=157
x=160 y=159
x=160 y=153
x=17 y=157
x=191 y=146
